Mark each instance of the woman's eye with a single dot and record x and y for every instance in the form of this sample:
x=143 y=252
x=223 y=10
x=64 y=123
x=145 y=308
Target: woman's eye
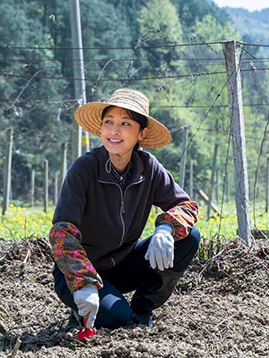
x=108 y=121
x=126 y=124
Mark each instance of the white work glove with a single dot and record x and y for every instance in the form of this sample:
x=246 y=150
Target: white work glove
x=87 y=301
x=160 y=252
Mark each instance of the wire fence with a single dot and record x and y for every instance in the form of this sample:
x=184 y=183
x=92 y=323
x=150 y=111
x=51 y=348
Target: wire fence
x=203 y=106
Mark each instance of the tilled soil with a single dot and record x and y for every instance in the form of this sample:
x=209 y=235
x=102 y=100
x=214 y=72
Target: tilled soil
x=219 y=309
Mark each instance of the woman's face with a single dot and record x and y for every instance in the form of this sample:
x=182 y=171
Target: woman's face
x=119 y=133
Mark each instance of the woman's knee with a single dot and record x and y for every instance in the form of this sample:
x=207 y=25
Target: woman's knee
x=114 y=315
x=194 y=238
x=185 y=250
x=114 y=310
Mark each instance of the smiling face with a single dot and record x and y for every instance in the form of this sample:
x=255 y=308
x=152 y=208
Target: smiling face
x=120 y=133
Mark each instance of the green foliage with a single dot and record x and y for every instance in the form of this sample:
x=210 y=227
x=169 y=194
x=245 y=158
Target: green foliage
x=216 y=230
x=21 y=223
x=191 y=11
x=254 y=24
x=209 y=30
x=161 y=16
x=33 y=126
x=126 y=43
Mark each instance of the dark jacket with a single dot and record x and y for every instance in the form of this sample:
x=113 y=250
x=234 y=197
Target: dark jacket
x=110 y=222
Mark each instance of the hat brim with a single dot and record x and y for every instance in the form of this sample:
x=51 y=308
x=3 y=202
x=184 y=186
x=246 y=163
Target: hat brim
x=89 y=117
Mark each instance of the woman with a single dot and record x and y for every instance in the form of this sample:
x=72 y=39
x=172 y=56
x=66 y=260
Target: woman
x=103 y=208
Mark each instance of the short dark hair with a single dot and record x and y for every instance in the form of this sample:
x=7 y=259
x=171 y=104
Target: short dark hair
x=137 y=117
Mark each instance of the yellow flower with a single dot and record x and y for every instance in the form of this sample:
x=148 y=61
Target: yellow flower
x=49 y=215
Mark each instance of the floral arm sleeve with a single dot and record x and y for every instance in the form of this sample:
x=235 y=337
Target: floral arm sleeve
x=70 y=256
x=181 y=218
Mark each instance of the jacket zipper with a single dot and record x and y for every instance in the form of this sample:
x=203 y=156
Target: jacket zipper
x=122 y=208
x=122 y=211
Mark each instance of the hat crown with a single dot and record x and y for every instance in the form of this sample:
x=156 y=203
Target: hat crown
x=131 y=99
x=89 y=116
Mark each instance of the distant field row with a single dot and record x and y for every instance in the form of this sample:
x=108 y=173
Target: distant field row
x=21 y=222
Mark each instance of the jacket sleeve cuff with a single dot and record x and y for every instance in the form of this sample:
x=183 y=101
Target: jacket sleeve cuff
x=65 y=239
x=181 y=217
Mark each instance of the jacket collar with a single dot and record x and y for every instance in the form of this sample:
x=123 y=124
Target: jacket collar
x=108 y=177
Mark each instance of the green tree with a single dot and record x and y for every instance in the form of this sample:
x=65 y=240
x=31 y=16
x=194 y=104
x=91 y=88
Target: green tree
x=209 y=29
x=23 y=84
x=161 y=16
x=191 y=11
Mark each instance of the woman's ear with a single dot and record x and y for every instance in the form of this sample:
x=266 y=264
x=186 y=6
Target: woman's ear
x=143 y=134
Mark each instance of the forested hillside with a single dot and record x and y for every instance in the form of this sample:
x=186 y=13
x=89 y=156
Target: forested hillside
x=171 y=49
x=252 y=25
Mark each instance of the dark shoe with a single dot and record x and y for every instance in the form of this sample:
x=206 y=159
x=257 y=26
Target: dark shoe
x=155 y=289
x=74 y=320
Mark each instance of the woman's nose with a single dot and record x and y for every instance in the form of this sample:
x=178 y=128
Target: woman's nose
x=115 y=129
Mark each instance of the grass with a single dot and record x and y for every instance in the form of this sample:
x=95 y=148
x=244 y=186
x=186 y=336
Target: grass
x=218 y=229
x=21 y=222
x=226 y=224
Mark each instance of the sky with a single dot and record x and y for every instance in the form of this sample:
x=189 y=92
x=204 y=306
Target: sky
x=250 y=5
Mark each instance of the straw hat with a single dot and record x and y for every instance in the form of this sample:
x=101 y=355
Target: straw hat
x=89 y=118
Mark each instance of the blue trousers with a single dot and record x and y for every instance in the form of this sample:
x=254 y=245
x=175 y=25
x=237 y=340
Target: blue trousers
x=126 y=276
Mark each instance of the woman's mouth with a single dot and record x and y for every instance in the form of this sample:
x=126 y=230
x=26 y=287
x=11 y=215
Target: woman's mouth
x=115 y=141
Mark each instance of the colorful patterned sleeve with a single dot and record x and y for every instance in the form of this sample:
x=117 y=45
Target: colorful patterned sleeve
x=70 y=256
x=181 y=218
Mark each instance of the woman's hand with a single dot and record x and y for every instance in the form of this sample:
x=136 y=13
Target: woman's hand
x=160 y=252
x=87 y=301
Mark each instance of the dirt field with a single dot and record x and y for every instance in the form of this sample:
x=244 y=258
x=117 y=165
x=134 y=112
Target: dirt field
x=220 y=309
